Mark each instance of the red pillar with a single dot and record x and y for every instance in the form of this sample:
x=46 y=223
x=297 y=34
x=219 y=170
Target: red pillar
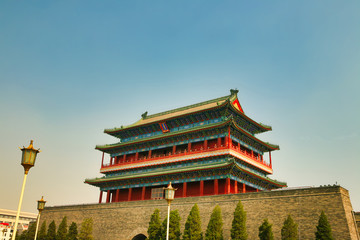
x=124 y=159
x=244 y=188
x=219 y=142
x=205 y=144
x=100 y=198
x=102 y=160
x=108 y=196
x=239 y=146
x=270 y=159
x=216 y=187
x=227 y=186
x=257 y=190
x=143 y=193
x=149 y=156
x=174 y=149
x=117 y=195
x=235 y=187
x=201 y=188
x=189 y=146
x=111 y=161
x=136 y=156
x=184 y=189
x=252 y=153
x=129 y=196
x=229 y=138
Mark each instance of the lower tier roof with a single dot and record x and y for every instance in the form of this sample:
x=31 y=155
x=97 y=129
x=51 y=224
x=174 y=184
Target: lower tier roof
x=212 y=170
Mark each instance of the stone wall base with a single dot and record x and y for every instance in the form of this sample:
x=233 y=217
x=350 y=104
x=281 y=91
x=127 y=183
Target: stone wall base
x=125 y=220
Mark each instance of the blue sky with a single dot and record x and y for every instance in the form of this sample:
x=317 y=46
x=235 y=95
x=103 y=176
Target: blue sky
x=69 y=69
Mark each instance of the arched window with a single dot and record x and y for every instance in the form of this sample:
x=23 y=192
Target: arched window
x=139 y=237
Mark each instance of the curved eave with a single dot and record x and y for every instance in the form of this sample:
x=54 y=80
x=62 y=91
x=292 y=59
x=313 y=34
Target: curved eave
x=165 y=135
x=160 y=172
x=271 y=147
x=114 y=131
x=272 y=181
x=262 y=126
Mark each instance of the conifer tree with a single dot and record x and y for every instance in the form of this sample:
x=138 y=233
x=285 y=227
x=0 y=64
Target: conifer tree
x=31 y=231
x=17 y=236
x=193 y=225
x=265 y=231
x=22 y=236
x=238 y=229
x=73 y=232
x=86 y=229
x=289 y=231
x=51 y=233
x=174 y=226
x=214 y=229
x=154 y=230
x=28 y=234
x=42 y=232
x=323 y=228
x=62 y=230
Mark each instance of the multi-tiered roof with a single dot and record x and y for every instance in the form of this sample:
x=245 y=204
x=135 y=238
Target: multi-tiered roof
x=210 y=141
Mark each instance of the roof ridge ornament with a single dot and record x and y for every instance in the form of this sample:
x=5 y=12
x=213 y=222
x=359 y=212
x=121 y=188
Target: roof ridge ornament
x=234 y=91
x=144 y=115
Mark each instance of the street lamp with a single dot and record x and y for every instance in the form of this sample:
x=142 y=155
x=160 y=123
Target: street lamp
x=40 y=207
x=27 y=161
x=169 y=196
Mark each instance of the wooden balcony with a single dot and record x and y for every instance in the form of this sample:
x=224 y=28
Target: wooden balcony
x=157 y=159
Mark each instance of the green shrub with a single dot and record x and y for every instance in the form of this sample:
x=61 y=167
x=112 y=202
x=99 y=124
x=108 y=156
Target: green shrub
x=265 y=231
x=214 y=229
x=289 y=231
x=193 y=225
x=323 y=228
x=154 y=230
x=238 y=229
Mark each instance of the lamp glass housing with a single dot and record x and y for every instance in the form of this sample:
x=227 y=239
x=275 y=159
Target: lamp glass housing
x=41 y=204
x=169 y=193
x=28 y=156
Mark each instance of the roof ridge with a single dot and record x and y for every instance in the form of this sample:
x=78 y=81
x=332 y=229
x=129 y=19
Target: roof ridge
x=146 y=119
x=187 y=107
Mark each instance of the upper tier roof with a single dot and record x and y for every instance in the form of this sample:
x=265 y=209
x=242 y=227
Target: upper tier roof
x=228 y=121
x=198 y=107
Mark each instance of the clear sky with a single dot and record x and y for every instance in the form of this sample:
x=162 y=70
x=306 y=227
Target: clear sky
x=70 y=69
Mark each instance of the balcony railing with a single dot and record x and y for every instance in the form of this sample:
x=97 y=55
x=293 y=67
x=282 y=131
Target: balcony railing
x=154 y=156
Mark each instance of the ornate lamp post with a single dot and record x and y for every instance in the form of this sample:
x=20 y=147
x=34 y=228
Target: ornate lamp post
x=27 y=161
x=169 y=196
x=40 y=207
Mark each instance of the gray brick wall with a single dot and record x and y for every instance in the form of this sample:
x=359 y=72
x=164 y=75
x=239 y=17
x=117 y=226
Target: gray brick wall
x=124 y=220
x=357 y=219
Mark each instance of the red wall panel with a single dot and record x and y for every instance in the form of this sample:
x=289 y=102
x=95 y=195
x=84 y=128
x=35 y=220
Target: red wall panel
x=209 y=187
x=136 y=194
x=193 y=189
